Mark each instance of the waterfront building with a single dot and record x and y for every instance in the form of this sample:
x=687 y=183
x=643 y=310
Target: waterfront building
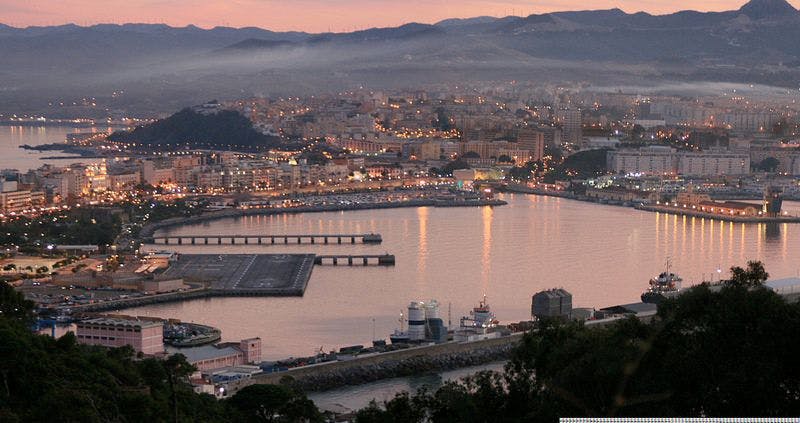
x=713 y=163
x=652 y=160
x=663 y=160
x=211 y=357
x=788 y=156
x=142 y=334
x=732 y=208
x=621 y=194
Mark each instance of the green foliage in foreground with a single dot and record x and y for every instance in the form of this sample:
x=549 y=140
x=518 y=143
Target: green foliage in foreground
x=710 y=352
x=43 y=379
x=729 y=351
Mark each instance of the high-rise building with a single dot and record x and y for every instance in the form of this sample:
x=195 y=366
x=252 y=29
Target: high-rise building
x=571 y=121
x=532 y=140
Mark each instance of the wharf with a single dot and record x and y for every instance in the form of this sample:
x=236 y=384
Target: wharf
x=266 y=239
x=727 y=218
x=150 y=229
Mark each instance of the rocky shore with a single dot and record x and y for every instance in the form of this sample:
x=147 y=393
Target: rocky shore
x=399 y=368
x=373 y=367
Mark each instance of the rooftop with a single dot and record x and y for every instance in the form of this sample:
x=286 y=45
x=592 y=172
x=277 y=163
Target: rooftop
x=121 y=321
x=205 y=352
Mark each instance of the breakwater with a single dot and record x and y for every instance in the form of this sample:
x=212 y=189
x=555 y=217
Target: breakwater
x=150 y=229
x=411 y=361
x=193 y=294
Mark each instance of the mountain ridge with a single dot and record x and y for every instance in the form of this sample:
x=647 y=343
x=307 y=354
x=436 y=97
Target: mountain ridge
x=166 y=67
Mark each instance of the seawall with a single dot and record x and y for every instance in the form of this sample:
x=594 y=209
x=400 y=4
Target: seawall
x=369 y=368
x=172 y=297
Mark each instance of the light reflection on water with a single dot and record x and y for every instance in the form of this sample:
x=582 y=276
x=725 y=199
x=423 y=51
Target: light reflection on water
x=603 y=255
x=12 y=137
x=357 y=397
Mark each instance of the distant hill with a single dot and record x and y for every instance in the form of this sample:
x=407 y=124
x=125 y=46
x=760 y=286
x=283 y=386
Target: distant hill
x=162 y=68
x=226 y=129
x=256 y=44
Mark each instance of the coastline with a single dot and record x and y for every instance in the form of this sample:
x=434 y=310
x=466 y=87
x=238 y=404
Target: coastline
x=722 y=217
x=657 y=209
x=149 y=230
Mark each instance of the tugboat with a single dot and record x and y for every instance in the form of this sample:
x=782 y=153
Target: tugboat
x=665 y=285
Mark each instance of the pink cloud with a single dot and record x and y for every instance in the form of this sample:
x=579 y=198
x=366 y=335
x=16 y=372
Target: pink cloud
x=311 y=15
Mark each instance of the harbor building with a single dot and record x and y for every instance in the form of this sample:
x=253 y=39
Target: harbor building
x=228 y=354
x=551 y=303
x=142 y=334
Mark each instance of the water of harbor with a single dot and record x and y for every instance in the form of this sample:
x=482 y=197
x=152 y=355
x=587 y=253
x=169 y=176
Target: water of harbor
x=351 y=398
x=13 y=157
x=604 y=255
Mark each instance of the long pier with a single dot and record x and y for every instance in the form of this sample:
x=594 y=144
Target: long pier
x=353 y=260
x=266 y=239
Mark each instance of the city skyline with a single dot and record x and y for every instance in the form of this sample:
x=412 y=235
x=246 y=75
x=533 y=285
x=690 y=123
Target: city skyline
x=316 y=15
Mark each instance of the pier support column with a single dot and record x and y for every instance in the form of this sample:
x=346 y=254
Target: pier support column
x=286 y=240
x=246 y=241
x=272 y=239
x=233 y=241
x=366 y=261
x=166 y=241
x=325 y=240
x=259 y=240
x=352 y=240
x=349 y=261
x=219 y=240
x=193 y=241
x=335 y=261
x=313 y=241
x=206 y=240
x=339 y=240
x=180 y=241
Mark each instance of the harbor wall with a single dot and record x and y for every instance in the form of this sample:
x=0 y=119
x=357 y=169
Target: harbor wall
x=416 y=360
x=718 y=216
x=151 y=228
x=194 y=294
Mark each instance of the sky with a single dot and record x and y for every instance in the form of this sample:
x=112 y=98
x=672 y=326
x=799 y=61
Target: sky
x=313 y=15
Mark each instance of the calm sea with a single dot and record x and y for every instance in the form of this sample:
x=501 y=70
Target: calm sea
x=603 y=255
x=13 y=157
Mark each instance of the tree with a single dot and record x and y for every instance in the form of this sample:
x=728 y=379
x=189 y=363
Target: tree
x=471 y=155
x=504 y=158
x=712 y=351
x=13 y=304
x=754 y=276
x=273 y=403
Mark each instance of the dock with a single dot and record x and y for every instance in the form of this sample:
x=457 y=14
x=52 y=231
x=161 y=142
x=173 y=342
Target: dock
x=323 y=239
x=353 y=260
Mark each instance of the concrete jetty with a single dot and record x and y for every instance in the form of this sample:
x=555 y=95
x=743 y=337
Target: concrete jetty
x=353 y=260
x=266 y=239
